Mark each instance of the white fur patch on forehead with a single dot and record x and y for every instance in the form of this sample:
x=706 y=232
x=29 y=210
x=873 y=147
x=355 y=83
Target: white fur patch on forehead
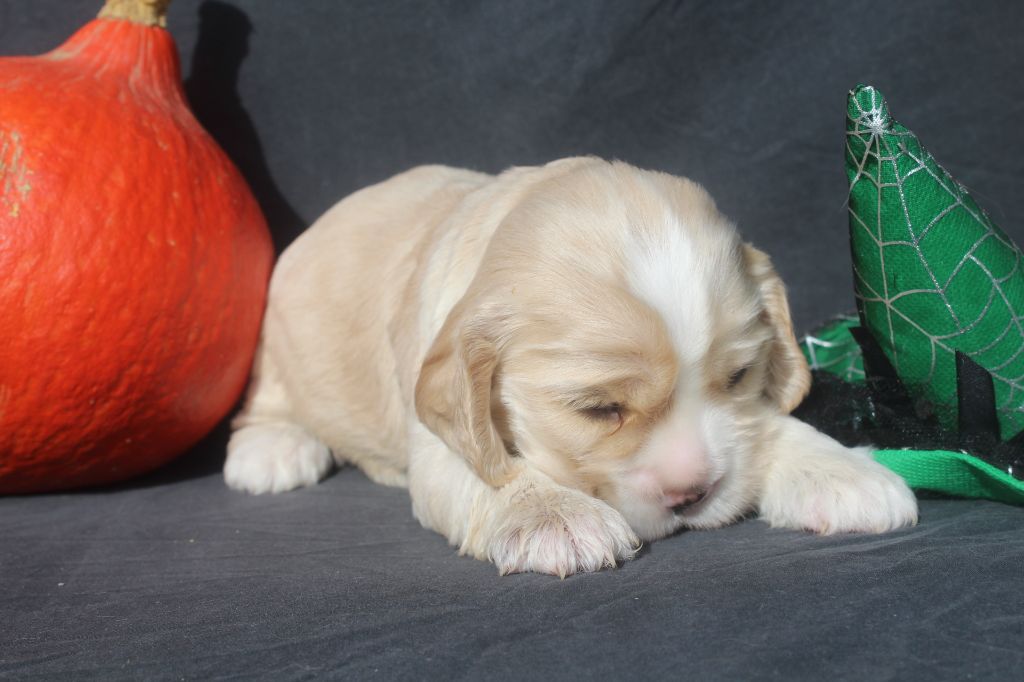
x=681 y=271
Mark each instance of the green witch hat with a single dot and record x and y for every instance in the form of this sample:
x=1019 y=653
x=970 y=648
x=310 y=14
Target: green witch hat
x=934 y=277
x=935 y=358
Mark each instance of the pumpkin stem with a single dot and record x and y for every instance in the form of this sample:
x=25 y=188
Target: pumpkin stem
x=146 y=12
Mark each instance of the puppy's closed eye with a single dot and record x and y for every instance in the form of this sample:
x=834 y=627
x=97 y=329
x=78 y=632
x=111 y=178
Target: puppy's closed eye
x=736 y=378
x=610 y=416
x=610 y=412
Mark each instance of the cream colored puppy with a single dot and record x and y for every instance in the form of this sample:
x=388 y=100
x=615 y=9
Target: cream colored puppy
x=558 y=362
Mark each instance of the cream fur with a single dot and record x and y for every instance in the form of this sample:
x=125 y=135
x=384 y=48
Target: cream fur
x=549 y=360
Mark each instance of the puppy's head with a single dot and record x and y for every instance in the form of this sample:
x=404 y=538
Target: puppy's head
x=621 y=338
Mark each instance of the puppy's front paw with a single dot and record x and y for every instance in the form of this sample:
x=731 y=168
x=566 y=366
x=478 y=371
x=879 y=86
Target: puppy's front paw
x=560 y=531
x=272 y=458
x=841 y=491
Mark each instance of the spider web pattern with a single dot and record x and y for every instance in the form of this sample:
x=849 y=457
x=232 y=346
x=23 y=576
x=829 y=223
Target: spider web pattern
x=932 y=273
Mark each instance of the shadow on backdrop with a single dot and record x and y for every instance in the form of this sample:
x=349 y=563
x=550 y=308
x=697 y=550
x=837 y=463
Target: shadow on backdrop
x=212 y=90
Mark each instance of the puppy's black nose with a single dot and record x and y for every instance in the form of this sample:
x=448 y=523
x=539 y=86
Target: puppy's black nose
x=688 y=499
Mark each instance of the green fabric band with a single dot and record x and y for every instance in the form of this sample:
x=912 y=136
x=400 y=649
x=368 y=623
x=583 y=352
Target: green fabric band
x=952 y=473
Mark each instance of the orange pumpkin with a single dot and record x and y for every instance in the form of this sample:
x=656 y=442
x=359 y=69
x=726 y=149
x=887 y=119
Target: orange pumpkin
x=133 y=260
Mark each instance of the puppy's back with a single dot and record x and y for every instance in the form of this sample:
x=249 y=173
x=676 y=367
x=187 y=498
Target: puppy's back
x=338 y=307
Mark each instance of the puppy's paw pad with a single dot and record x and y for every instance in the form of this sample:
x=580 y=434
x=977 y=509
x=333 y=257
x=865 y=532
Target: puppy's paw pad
x=561 y=534
x=860 y=497
x=273 y=458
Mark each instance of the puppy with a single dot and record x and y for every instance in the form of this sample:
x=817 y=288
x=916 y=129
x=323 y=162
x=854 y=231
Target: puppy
x=559 y=362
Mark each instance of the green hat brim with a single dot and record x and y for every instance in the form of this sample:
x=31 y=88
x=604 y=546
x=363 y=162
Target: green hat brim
x=953 y=473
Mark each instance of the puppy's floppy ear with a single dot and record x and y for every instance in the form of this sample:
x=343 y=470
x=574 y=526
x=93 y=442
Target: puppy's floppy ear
x=789 y=378
x=453 y=393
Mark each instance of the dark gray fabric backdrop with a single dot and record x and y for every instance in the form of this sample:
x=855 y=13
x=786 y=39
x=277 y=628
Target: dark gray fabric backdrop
x=176 y=577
